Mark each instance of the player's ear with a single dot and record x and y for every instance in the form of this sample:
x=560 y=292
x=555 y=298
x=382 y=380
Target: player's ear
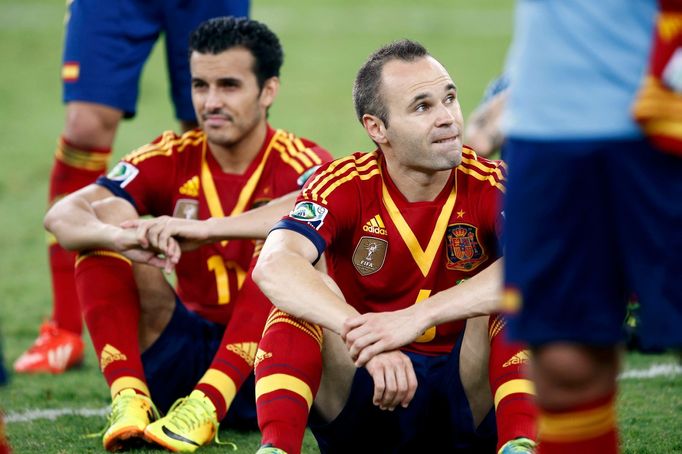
x=375 y=128
x=269 y=91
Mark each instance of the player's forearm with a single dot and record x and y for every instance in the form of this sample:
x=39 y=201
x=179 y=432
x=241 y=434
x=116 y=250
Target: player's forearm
x=295 y=287
x=75 y=225
x=252 y=224
x=479 y=295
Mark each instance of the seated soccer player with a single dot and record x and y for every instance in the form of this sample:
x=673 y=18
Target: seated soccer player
x=410 y=235
x=157 y=344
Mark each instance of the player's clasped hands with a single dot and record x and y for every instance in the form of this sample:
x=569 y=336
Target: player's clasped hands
x=372 y=333
x=168 y=236
x=127 y=244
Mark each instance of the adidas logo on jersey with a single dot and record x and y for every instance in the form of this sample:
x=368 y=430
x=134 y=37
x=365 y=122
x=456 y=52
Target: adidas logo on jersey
x=245 y=350
x=109 y=355
x=375 y=225
x=520 y=358
x=191 y=187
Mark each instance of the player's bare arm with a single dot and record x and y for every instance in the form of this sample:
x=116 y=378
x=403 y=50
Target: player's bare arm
x=285 y=274
x=369 y=334
x=191 y=234
x=76 y=222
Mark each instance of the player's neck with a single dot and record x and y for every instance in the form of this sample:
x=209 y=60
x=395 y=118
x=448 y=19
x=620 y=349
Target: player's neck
x=417 y=185
x=236 y=158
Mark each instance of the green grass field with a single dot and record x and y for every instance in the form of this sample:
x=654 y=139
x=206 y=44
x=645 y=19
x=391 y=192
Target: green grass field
x=325 y=42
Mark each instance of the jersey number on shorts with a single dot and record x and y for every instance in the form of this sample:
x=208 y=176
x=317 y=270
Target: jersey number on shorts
x=225 y=271
x=430 y=333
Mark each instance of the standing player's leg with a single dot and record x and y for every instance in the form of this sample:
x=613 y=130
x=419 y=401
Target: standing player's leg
x=570 y=289
x=104 y=51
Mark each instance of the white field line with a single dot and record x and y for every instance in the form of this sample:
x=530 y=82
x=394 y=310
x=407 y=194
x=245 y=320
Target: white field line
x=655 y=370
x=52 y=414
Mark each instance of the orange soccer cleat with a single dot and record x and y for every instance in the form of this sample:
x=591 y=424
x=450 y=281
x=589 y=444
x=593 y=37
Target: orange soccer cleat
x=55 y=351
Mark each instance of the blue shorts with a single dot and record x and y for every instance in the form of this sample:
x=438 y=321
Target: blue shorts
x=437 y=420
x=111 y=40
x=177 y=360
x=589 y=223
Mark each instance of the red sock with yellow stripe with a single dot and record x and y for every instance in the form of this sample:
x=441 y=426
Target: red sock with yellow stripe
x=73 y=168
x=234 y=359
x=288 y=373
x=587 y=428
x=515 y=409
x=111 y=308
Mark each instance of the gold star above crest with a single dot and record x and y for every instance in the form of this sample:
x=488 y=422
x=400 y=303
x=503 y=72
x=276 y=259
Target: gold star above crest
x=460 y=214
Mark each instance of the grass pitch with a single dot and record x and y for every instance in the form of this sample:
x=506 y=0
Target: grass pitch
x=325 y=42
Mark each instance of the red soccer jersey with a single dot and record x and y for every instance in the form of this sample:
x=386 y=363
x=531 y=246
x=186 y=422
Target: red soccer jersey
x=178 y=176
x=386 y=253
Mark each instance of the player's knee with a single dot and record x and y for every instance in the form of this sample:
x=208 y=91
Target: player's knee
x=569 y=372
x=91 y=125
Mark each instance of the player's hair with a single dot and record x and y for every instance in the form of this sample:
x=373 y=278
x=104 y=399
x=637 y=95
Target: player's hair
x=222 y=33
x=366 y=90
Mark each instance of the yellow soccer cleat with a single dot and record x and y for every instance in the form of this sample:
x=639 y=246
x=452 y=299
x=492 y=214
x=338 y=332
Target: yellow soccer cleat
x=130 y=415
x=190 y=423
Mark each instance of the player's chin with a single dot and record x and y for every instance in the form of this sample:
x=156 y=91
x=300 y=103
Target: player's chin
x=449 y=157
x=222 y=137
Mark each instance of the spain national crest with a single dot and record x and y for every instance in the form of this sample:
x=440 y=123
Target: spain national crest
x=465 y=252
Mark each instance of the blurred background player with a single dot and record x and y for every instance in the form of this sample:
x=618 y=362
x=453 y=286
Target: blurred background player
x=400 y=227
x=593 y=205
x=4 y=376
x=234 y=162
x=483 y=128
x=4 y=442
x=105 y=47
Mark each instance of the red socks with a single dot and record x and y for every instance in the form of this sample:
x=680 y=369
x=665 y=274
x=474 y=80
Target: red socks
x=235 y=357
x=515 y=408
x=111 y=308
x=587 y=429
x=288 y=373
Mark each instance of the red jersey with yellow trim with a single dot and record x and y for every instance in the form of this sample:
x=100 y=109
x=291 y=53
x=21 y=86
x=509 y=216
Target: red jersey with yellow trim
x=178 y=176
x=386 y=253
